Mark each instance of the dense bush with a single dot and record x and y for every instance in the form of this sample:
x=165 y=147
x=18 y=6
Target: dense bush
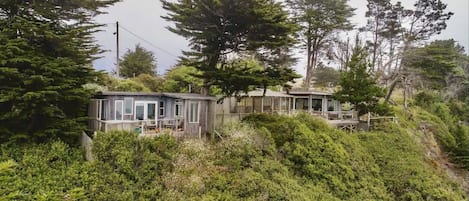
x=269 y=157
x=448 y=121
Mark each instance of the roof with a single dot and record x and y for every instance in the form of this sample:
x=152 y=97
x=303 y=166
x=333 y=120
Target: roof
x=310 y=92
x=268 y=93
x=126 y=93
x=185 y=96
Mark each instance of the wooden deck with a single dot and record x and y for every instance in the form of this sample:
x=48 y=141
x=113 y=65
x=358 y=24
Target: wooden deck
x=347 y=124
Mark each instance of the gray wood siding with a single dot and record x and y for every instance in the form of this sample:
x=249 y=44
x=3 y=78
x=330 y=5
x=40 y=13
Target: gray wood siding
x=206 y=112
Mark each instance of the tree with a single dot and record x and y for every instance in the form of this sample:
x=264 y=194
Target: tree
x=220 y=29
x=136 y=62
x=428 y=18
x=318 y=21
x=46 y=49
x=181 y=79
x=385 y=25
x=153 y=83
x=358 y=86
x=326 y=76
x=440 y=66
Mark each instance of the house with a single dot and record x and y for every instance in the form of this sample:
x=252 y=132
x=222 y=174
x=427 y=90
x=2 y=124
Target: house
x=313 y=102
x=149 y=113
x=319 y=103
x=253 y=102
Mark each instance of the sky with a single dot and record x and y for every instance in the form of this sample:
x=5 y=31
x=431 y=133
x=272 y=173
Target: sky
x=140 y=22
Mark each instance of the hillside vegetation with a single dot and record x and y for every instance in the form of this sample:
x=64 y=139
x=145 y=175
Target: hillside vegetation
x=264 y=158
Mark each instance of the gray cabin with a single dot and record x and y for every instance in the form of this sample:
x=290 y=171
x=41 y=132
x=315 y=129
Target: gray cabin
x=149 y=113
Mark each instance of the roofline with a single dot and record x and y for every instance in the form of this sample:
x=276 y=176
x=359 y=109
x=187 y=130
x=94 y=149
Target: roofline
x=310 y=93
x=185 y=96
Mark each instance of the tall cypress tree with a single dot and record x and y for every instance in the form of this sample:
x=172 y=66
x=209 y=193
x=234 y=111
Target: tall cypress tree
x=218 y=30
x=46 y=49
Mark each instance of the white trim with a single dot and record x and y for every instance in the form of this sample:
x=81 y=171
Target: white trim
x=115 y=110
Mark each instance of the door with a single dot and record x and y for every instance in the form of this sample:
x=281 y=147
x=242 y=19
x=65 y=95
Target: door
x=145 y=110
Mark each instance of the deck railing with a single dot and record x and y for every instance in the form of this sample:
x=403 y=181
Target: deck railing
x=139 y=126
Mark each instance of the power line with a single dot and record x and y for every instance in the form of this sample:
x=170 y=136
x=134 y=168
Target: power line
x=146 y=41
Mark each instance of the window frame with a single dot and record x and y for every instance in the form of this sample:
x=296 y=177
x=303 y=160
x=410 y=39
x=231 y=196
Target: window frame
x=161 y=108
x=140 y=104
x=131 y=105
x=122 y=110
x=146 y=110
x=181 y=112
x=194 y=118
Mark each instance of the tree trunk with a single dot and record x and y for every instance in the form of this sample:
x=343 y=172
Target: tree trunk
x=308 y=76
x=392 y=87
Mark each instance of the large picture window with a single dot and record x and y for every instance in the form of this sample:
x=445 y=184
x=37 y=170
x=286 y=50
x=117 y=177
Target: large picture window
x=119 y=105
x=194 y=112
x=128 y=106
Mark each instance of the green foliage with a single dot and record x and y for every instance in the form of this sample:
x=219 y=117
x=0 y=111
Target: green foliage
x=446 y=121
x=273 y=157
x=107 y=82
x=218 y=28
x=178 y=79
x=359 y=87
x=46 y=48
x=49 y=171
x=129 y=85
x=129 y=168
x=318 y=21
x=125 y=168
x=153 y=83
x=404 y=171
x=321 y=156
x=326 y=77
x=137 y=62
x=440 y=65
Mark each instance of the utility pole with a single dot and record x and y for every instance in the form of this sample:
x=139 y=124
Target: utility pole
x=117 y=49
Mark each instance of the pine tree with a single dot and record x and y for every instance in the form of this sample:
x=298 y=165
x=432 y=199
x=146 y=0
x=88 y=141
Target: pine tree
x=358 y=86
x=46 y=49
x=136 y=62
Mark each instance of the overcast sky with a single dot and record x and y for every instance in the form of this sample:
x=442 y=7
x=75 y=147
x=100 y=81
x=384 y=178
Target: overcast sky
x=140 y=22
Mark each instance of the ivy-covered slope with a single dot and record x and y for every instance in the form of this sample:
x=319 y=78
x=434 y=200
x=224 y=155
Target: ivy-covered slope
x=264 y=158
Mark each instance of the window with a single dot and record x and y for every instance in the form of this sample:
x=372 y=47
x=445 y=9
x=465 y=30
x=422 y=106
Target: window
x=104 y=108
x=194 y=112
x=128 y=106
x=316 y=104
x=151 y=110
x=139 y=111
x=301 y=103
x=161 y=109
x=119 y=105
x=178 y=108
x=145 y=110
